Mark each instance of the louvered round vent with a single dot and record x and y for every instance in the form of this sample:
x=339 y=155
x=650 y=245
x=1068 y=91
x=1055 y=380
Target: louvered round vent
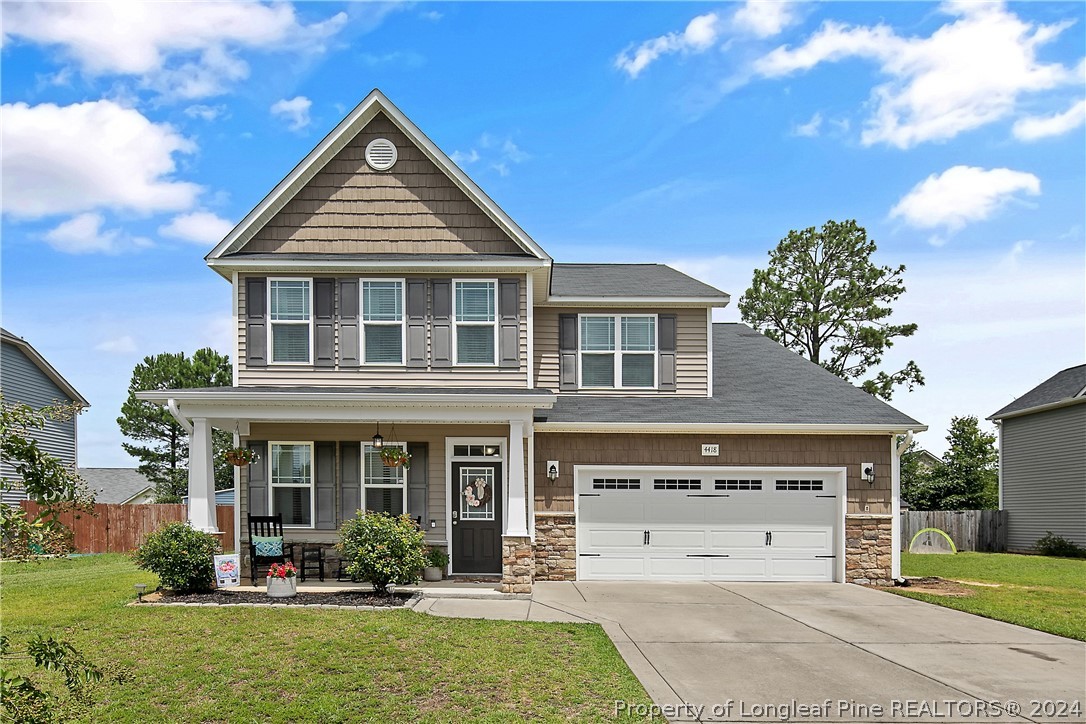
x=381 y=154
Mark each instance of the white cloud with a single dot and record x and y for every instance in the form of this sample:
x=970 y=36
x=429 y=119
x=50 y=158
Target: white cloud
x=968 y=73
x=199 y=227
x=810 y=129
x=461 y=158
x=764 y=18
x=119 y=345
x=1032 y=128
x=294 y=111
x=699 y=36
x=961 y=195
x=183 y=50
x=69 y=159
x=205 y=112
x=83 y=234
x=500 y=154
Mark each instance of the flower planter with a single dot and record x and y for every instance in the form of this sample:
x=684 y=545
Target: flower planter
x=282 y=587
x=431 y=573
x=239 y=457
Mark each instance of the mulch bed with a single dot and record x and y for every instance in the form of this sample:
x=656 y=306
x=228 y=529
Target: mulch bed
x=337 y=598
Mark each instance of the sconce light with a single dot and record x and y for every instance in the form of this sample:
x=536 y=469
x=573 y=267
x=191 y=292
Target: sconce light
x=140 y=588
x=552 y=470
x=378 y=441
x=867 y=471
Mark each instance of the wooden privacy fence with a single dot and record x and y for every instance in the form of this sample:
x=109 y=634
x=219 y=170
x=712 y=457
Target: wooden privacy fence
x=117 y=528
x=971 y=530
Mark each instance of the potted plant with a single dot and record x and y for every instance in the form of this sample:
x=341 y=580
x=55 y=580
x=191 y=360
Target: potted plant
x=395 y=457
x=239 y=456
x=436 y=561
x=282 y=580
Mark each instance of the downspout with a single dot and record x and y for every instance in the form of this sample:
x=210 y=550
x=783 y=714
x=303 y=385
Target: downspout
x=171 y=405
x=895 y=503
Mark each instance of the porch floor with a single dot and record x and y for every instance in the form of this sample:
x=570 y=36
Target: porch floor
x=449 y=588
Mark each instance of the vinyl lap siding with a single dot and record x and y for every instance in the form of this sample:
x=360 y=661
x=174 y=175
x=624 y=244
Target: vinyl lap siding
x=1044 y=476
x=691 y=359
x=23 y=381
x=349 y=208
x=383 y=375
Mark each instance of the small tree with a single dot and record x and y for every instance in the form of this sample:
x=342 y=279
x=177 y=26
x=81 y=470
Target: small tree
x=383 y=549
x=967 y=477
x=822 y=297
x=164 y=460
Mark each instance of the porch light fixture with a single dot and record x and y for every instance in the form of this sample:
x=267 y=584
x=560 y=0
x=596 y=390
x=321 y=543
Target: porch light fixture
x=378 y=441
x=552 y=470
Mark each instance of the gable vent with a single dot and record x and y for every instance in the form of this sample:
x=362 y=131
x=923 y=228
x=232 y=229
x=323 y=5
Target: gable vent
x=381 y=154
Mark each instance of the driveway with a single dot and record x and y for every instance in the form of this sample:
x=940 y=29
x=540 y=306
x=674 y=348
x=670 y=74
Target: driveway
x=764 y=651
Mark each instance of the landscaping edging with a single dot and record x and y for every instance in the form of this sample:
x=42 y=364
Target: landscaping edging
x=409 y=603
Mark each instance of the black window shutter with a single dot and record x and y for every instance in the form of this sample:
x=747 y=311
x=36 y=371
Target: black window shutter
x=350 y=480
x=256 y=322
x=667 y=342
x=441 y=305
x=258 y=479
x=348 y=322
x=416 y=322
x=509 y=322
x=324 y=487
x=324 y=318
x=417 y=487
x=567 y=351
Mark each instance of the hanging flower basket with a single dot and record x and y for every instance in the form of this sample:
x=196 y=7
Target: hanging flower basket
x=394 y=457
x=239 y=456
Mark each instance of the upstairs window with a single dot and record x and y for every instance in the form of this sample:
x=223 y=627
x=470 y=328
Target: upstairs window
x=382 y=322
x=291 y=326
x=475 y=322
x=618 y=351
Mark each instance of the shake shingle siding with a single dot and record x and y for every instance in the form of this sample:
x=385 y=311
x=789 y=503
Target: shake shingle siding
x=23 y=381
x=1044 y=476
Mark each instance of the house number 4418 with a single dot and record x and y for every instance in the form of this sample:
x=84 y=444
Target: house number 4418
x=709 y=450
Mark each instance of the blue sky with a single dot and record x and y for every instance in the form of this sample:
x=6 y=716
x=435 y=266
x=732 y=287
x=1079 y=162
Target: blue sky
x=134 y=136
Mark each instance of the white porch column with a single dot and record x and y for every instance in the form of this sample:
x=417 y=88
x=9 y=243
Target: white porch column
x=201 y=478
x=516 y=499
x=896 y=450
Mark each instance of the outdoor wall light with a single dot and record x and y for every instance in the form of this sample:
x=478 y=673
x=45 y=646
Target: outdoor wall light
x=140 y=588
x=867 y=470
x=378 y=441
x=552 y=470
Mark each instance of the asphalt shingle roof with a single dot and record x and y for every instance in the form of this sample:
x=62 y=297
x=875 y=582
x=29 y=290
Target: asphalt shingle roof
x=626 y=280
x=755 y=381
x=1057 y=388
x=113 y=485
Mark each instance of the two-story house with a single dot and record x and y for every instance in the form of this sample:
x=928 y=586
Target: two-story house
x=564 y=420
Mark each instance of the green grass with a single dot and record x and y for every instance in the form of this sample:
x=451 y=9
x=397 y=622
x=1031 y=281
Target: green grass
x=1047 y=594
x=256 y=664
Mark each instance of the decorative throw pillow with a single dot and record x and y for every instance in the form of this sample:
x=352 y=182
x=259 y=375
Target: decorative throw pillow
x=267 y=546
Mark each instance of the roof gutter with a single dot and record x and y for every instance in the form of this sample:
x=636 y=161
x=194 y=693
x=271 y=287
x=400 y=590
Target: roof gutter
x=346 y=399
x=714 y=300
x=728 y=428
x=1039 y=408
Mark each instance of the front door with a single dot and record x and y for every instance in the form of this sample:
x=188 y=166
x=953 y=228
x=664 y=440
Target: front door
x=476 y=518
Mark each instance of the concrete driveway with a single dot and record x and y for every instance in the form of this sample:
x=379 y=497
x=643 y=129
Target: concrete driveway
x=763 y=651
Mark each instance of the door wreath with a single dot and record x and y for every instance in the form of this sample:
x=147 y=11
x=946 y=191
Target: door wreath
x=478 y=492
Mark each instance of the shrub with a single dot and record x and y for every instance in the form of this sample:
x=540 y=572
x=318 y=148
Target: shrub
x=1056 y=545
x=382 y=549
x=182 y=556
x=437 y=557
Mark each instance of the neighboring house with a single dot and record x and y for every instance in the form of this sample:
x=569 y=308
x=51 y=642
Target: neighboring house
x=26 y=377
x=1042 y=461
x=927 y=460
x=565 y=421
x=118 y=485
x=222 y=497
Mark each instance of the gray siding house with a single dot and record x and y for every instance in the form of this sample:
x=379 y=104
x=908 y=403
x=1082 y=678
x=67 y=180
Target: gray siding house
x=1042 y=461
x=26 y=377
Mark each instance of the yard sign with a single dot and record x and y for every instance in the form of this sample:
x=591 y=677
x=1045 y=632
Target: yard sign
x=228 y=570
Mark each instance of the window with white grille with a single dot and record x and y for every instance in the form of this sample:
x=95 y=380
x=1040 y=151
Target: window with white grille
x=616 y=484
x=799 y=485
x=676 y=484
x=738 y=484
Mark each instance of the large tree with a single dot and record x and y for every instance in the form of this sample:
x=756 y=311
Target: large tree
x=967 y=478
x=164 y=457
x=823 y=297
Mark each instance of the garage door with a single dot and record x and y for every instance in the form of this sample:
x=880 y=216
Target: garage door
x=707 y=524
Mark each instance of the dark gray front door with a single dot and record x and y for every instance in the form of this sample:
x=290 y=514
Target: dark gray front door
x=476 y=517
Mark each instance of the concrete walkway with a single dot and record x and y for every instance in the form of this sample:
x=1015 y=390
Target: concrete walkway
x=762 y=652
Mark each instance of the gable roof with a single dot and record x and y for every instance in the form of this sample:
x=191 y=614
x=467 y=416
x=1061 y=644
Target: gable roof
x=114 y=485
x=573 y=282
x=330 y=145
x=1067 y=387
x=43 y=364
x=755 y=382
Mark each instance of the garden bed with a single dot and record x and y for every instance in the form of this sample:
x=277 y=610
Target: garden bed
x=220 y=597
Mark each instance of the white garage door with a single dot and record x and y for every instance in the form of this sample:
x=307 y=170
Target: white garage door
x=722 y=524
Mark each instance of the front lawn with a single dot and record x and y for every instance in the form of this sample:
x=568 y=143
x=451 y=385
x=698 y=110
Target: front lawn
x=258 y=664
x=1048 y=594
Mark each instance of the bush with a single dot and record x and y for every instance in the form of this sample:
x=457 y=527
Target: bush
x=437 y=557
x=382 y=549
x=182 y=556
x=1056 y=545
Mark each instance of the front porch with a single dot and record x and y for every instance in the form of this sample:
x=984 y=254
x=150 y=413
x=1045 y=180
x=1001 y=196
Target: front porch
x=318 y=463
